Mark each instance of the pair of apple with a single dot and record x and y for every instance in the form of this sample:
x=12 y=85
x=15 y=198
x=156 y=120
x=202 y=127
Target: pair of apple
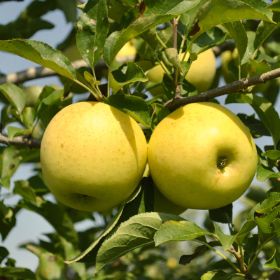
x=94 y=155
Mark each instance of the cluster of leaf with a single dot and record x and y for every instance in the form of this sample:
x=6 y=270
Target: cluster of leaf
x=121 y=246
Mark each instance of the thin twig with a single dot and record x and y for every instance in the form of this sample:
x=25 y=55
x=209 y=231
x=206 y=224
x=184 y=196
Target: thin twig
x=234 y=87
x=19 y=141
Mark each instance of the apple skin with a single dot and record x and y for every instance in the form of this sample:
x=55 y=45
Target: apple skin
x=126 y=53
x=92 y=156
x=201 y=73
x=202 y=156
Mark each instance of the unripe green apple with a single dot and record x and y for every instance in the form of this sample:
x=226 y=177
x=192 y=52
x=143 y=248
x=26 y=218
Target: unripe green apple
x=202 y=156
x=201 y=73
x=92 y=156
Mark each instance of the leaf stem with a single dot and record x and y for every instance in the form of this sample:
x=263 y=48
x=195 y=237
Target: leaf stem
x=219 y=253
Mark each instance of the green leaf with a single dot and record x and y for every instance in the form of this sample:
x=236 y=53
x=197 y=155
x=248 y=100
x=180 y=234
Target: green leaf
x=102 y=28
x=3 y=253
x=125 y=211
x=16 y=273
x=7 y=220
x=272 y=200
x=263 y=173
x=157 y=13
x=42 y=54
x=136 y=232
x=275 y=6
x=245 y=231
x=225 y=239
x=272 y=154
x=238 y=33
x=50 y=266
x=274 y=261
x=264 y=30
x=135 y=106
x=221 y=275
x=129 y=73
x=268 y=116
x=233 y=10
x=178 y=231
x=14 y=94
x=69 y=9
x=9 y=162
x=56 y=215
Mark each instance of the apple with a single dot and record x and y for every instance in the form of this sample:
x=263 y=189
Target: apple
x=230 y=64
x=92 y=156
x=202 y=156
x=126 y=53
x=201 y=73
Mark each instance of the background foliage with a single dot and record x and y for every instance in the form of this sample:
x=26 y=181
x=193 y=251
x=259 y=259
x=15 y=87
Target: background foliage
x=133 y=242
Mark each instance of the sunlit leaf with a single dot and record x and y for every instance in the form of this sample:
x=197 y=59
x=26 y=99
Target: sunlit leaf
x=178 y=231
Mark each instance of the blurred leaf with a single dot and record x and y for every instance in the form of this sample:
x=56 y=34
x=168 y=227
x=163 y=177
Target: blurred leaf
x=178 y=231
x=272 y=154
x=50 y=267
x=245 y=231
x=10 y=160
x=40 y=53
x=272 y=200
x=211 y=38
x=7 y=220
x=274 y=261
x=231 y=10
x=138 y=231
x=264 y=30
x=198 y=252
x=221 y=215
x=16 y=273
x=69 y=9
x=135 y=106
x=275 y=6
x=268 y=115
x=256 y=127
x=3 y=253
x=29 y=21
x=221 y=275
x=14 y=94
x=56 y=216
x=16 y=131
x=263 y=173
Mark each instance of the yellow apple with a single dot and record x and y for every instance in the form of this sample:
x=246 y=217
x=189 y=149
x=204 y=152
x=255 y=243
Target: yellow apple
x=230 y=62
x=202 y=156
x=92 y=156
x=201 y=73
x=126 y=53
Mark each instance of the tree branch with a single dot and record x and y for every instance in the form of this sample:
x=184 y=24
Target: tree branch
x=35 y=73
x=20 y=141
x=234 y=87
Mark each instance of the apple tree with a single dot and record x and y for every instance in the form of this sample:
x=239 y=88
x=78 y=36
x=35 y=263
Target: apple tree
x=110 y=56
